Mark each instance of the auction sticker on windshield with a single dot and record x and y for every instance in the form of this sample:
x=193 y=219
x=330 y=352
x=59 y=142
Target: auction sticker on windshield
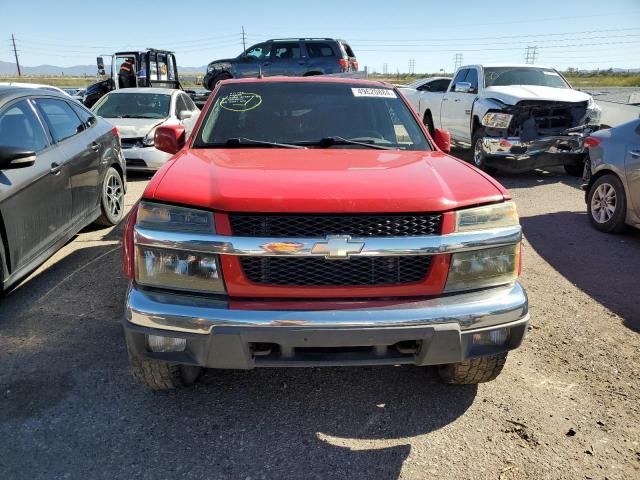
x=241 y=101
x=373 y=92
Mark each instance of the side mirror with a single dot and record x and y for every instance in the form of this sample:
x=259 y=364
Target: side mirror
x=14 y=157
x=462 y=87
x=442 y=140
x=169 y=138
x=184 y=114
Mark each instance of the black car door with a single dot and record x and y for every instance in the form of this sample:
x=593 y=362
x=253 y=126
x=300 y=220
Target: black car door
x=80 y=148
x=35 y=201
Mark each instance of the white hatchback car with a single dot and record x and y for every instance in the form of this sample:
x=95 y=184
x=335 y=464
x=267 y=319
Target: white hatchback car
x=137 y=112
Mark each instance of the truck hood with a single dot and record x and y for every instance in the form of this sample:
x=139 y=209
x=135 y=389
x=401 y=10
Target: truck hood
x=512 y=94
x=134 y=127
x=321 y=181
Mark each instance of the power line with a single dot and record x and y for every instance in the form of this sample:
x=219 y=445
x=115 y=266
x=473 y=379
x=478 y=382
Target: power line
x=15 y=52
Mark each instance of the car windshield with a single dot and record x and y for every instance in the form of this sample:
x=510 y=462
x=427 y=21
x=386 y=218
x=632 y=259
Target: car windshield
x=314 y=115
x=502 y=76
x=133 y=105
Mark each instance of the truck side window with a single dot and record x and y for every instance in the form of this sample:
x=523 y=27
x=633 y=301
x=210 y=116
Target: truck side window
x=284 y=51
x=472 y=78
x=319 y=50
x=462 y=74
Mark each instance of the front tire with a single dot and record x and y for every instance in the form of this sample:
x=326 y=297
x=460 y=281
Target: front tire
x=157 y=375
x=112 y=199
x=479 y=156
x=428 y=123
x=221 y=76
x=607 y=204
x=474 y=370
x=574 y=170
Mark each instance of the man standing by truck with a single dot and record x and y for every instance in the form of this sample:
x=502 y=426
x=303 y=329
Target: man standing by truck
x=127 y=74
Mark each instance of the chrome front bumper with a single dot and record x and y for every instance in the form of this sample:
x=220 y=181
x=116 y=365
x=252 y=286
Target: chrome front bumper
x=222 y=335
x=511 y=154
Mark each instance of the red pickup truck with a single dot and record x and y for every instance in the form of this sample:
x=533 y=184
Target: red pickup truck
x=314 y=222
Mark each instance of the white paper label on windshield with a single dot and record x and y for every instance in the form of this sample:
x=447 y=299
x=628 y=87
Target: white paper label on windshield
x=553 y=74
x=373 y=92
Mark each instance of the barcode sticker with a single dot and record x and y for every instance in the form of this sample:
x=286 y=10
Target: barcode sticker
x=373 y=92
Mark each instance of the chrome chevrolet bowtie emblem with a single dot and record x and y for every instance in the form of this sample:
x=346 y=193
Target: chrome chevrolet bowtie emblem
x=337 y=247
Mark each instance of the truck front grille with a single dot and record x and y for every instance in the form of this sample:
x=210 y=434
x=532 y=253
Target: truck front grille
x=319 y=225
x=320 y=272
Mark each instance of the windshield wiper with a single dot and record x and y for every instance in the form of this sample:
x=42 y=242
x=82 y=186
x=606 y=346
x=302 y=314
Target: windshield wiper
x=331 y=141
x=138 y=116
x=239 y=141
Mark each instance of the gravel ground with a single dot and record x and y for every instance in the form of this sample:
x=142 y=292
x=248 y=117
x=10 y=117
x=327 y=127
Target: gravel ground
x=565 y=407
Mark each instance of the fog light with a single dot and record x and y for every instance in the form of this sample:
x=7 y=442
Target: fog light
x=166 y=344
x=491 y=337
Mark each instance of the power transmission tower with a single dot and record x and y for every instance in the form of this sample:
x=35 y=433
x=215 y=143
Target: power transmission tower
x=458 y=61
x=244 y=47
x=412 y=66
x=385 y=68
x=530 y=54
x=15 y=52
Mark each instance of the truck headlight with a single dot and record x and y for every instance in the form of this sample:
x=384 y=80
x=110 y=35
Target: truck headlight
x=176 y=269
x=489 y=267
x=594 y=112
x=219 y=66
x=497 y=120
x=498 y=215
x=149 y=140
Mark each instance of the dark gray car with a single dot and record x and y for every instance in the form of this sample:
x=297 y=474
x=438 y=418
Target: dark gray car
x=291 y=57
x=613 y=177
x=60 y=170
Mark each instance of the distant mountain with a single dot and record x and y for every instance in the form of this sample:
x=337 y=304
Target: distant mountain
x=8 y=68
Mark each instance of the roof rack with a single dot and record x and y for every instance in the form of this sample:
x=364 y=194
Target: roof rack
x=298 y=39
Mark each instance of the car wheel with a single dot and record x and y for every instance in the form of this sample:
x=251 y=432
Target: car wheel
x=158 y=375
x=474 y=370
x=112 y=199
x=221 y=76
x=428 y=123
x=479 y=157
x=607 y=204
x=574 y=170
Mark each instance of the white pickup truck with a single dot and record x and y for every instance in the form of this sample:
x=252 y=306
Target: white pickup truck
x=515 y=117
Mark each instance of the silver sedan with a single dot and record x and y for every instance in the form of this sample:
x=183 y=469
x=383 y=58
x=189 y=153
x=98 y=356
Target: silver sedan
x=613 y=177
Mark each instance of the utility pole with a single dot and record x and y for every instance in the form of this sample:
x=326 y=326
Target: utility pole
x=530 y=54
x=15 y=52
x=244 y=47
x=458 y=61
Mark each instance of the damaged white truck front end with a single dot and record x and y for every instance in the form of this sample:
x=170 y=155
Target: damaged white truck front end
x=515 y=118
x=524 y=127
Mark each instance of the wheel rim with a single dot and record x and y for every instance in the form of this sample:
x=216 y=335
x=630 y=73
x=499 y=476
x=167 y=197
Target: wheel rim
x=603 y=203
x=478 y=155
x=113 y=194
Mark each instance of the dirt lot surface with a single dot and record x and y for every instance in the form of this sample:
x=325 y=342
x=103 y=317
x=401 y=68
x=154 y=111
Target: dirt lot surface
x=565 y=407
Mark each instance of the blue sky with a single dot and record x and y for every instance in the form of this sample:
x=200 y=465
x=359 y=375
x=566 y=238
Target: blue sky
x=572 y=33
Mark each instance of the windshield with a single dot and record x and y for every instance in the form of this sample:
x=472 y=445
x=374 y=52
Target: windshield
x=133 y=105
x=502 y=76
x=315 y=115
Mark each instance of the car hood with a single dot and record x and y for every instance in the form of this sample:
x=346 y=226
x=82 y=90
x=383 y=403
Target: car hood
x=134 y=127
x=512 y=94
x=315 y=180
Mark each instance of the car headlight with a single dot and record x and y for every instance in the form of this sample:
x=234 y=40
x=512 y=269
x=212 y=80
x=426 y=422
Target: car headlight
x=488 y=267
x=149 y=138
x=594 y=112
x=497 y=120
x=498 y=215
x=218 y=66
x=171 y=268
